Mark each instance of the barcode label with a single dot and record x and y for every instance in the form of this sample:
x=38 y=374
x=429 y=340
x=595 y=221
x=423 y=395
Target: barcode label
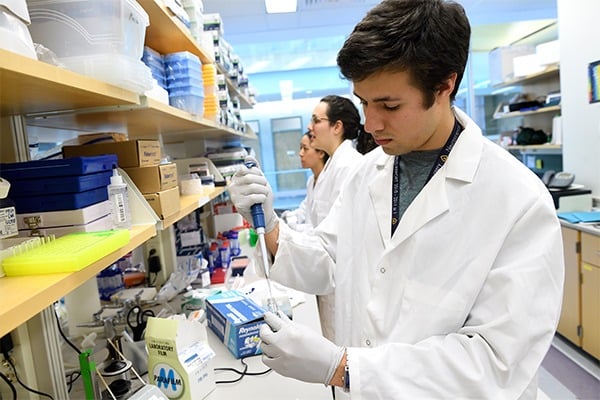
x=120 y=207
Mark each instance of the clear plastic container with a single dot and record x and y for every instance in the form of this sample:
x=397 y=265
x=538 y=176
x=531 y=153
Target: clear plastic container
x=117 y=69
x=86 y=27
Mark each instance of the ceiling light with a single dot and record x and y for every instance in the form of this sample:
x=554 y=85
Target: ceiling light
x=281 y=6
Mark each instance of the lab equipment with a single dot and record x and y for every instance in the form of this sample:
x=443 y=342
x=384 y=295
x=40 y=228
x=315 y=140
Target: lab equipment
x=258 y=219
x=137 y=319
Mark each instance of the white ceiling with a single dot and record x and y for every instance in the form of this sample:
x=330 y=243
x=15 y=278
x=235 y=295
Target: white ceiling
x=311 y=37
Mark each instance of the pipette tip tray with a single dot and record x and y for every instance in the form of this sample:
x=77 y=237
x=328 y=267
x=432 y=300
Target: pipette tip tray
x=69 y=253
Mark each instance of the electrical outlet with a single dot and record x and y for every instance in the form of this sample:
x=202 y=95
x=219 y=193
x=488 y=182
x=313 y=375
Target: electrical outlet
x=7 y=370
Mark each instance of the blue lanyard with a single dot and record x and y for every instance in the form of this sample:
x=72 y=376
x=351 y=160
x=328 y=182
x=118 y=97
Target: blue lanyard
x=440 y=161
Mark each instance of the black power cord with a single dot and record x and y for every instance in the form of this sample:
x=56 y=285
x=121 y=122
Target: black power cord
x=241 y=373
x=9 y=383
x=63 y=334
x=24 y=385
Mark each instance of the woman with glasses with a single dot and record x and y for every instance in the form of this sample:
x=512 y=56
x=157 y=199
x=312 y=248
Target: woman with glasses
x=299 y=219
x=334 y=125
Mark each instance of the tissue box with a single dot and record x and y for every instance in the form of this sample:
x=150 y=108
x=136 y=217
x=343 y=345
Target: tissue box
x=236 y=320
x=179 y=358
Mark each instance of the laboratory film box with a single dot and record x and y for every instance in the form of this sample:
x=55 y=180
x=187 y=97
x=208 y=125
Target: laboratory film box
x=153 y=178
x=130 y=153
x=236 y=320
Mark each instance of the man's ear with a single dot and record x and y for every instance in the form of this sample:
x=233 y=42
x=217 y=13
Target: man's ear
x=447 y=86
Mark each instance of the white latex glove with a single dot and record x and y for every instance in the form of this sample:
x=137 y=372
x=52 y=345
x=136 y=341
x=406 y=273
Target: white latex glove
x=296 y=351
x=249 y=186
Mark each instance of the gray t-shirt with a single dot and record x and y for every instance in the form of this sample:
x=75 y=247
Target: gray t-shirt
x=414 y=171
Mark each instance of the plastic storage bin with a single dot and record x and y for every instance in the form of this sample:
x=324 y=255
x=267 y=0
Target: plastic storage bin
x=89 y=27
x=14 y=35
x=117 y=69
x=190 y=99
x=182 y=63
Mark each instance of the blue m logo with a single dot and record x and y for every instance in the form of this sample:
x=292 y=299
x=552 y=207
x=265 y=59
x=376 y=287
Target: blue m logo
x=164 y=379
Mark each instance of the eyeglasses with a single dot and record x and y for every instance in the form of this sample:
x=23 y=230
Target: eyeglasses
x=315 y=120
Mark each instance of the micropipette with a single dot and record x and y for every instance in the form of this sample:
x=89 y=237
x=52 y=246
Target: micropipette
x=258 y=219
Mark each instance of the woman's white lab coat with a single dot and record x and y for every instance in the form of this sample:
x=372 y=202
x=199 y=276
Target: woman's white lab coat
x=336 y=171
x=299 y=219
x=462 y=302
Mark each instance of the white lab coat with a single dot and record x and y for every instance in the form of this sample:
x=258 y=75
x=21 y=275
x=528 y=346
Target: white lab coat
x=299 y=219
x=462 y=302
x=331 y=179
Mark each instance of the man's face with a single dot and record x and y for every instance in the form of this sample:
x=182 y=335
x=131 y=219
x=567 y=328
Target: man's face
x=395 y=115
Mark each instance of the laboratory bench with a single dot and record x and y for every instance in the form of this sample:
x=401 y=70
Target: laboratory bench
x=269 y=386
x=579 y=320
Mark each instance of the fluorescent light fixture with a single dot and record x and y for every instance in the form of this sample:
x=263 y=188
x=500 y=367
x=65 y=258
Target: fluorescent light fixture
x=281 y=6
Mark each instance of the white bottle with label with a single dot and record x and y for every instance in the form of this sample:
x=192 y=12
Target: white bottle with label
x=119 y=201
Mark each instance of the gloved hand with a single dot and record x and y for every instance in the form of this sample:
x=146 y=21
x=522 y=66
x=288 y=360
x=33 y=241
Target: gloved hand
x=249 y=186
x=296 y=351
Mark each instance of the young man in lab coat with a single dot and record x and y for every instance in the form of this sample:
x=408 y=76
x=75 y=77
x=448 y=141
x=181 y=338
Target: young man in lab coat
x=443 y=250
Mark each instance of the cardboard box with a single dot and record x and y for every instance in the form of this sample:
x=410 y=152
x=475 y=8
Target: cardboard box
x=236 y=320
x=164 y=203
x=179 y=358
x=154 y=178
x=130 y=153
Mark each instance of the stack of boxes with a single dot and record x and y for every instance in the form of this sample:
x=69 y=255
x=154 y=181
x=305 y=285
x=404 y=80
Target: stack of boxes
x=141 y=160
x=184 y=82
x=56 y=197
x=101 y=38
x=195 y=12
x=154 y=60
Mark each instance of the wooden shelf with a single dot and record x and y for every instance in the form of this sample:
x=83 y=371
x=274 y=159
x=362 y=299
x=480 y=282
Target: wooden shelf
x=149 y=119
x=31 y=86
x=551 y=71
x=25 y=296
x=167 y=34
x=514 y=114
x=546 y=148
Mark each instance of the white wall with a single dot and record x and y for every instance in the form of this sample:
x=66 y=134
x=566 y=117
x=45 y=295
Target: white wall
x=578 y=33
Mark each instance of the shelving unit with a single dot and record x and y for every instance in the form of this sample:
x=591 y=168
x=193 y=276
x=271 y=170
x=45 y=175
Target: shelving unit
x=539 y=84
x=166 y=34
x=47 y=96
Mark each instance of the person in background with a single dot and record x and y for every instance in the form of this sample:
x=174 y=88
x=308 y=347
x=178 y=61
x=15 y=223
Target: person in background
x=299 y=219
x=334 y=125
x=443 y=250
x=365 y=143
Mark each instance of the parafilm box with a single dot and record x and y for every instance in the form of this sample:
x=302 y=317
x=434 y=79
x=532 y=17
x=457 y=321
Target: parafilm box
x=236 y=320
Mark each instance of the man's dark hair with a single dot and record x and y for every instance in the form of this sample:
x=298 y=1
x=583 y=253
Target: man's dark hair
x=429 y=39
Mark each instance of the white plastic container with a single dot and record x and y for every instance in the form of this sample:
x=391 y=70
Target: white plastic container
x=73 y=28
x=119 y=201
x=14 y=35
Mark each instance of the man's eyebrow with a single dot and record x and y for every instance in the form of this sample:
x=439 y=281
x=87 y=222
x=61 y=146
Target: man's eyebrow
x=379 y=99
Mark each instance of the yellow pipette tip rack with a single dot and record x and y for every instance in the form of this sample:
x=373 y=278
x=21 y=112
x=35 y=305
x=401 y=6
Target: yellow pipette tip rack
x=69 y=253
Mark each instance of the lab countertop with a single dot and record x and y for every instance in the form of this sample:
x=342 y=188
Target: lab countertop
x=592 y=228
x=271 y=386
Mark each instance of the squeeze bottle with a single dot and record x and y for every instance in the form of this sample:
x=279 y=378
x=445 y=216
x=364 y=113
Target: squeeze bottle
x=119 y=201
